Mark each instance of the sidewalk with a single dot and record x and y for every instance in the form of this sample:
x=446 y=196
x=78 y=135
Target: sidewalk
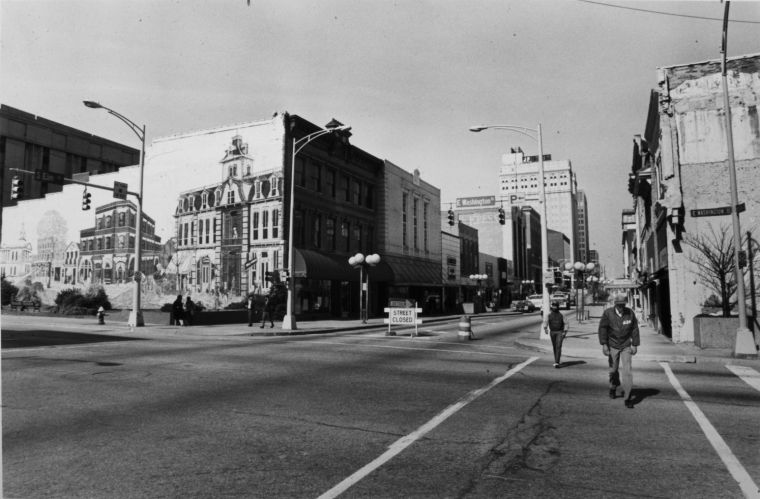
x=582 y=342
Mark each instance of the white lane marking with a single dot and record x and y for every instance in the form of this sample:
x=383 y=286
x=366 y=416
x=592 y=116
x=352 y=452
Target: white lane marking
x=399 y=445
x=434 y=350
x=747 y=374
x=748 y=486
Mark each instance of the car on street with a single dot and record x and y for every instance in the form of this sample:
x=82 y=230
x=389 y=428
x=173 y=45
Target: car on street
x=561 y=298
x=536 y=300
x=523 y=306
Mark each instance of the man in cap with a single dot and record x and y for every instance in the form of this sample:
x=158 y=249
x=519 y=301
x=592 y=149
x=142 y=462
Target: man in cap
x=619 y=337
x=556 y=325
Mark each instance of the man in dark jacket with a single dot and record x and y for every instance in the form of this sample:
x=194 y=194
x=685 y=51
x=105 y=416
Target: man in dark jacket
x=557 y=327
x=619 y=337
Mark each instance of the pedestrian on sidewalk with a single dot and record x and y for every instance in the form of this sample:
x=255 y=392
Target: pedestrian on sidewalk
x=177 y=312
x=251 y=307
x=266 y=312
x=189 y=311
x=556 y=325
x=619 y=337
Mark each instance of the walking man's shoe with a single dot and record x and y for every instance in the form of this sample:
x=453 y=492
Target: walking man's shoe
x=629 y=403
x=613 y=393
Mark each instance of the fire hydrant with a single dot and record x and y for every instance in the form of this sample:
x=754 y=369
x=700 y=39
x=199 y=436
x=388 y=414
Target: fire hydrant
x=101 y=315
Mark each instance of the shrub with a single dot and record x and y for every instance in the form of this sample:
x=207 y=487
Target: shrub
x=713 y=301
x=96 y=297
x=8 y=291
x=68 y=298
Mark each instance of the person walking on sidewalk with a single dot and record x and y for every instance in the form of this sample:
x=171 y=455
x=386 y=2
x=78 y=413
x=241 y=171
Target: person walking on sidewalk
x=556 y=325
x=619 y=337
x=177 y=312
x=267 y=312
x=251 y=306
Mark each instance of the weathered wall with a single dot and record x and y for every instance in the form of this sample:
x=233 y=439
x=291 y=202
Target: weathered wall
x=695 y=165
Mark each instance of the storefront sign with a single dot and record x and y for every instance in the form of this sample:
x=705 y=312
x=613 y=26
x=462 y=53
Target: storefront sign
x=402 y=317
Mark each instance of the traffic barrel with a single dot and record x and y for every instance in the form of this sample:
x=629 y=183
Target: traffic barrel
x=465 y=329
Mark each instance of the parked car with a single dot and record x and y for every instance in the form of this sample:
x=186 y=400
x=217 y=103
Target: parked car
x=537 y=301
x=523 y=306
x=562 y=299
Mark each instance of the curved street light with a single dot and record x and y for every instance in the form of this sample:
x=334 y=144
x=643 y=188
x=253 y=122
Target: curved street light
x=136 y=315
x=535 y=134
x=289 y=321
x=581 y=269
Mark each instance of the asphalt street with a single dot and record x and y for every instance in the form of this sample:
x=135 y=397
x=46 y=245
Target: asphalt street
x=167 y=411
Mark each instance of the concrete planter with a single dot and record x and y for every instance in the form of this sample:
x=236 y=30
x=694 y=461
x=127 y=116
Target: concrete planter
x=715 y=332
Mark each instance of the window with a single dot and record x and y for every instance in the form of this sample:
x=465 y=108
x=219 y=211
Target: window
x=316 y=235
x=121 y=219
x=231 y=197
x=425 y=226
x=300 y=180
x=108 y=242
x=315 y=177
x=208 y=223
x=330 y=232
x=330 y=182
x=100 y=223
x=345 y=228
x=255 y=226
x=404 y=203
x=204 y=200
x=369 y=198
x=356 y=192
x=264 y=224
x=192 y=232
x=275 y=223
x=345 y=193
x=185 y=239
x=357 y=237
x=200 y=232
x=415 y=210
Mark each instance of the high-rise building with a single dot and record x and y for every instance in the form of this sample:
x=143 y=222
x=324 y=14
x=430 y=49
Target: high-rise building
x=582 y=227
x=519 y=186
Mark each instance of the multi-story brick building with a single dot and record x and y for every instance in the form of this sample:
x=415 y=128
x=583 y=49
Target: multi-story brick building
x=107 y=250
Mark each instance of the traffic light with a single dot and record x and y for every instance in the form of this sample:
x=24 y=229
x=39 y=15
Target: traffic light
x=451 y=217
x=742 y=259
x=86 y=200
x=17 y=188
x=268 y=276
x=502 y=216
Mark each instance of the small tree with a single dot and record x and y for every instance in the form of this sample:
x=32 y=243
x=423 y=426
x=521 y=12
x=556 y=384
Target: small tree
x=714 y=258
x=9 y=291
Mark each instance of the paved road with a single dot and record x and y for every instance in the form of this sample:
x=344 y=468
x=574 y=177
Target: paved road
x=178 y=413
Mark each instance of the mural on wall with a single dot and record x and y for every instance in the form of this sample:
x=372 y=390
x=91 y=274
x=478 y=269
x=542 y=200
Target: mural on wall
x=211 y=223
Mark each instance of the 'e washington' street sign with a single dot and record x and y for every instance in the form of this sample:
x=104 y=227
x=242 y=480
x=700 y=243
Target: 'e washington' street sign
x=714 y=212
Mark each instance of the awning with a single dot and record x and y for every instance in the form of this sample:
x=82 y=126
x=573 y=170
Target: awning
x=409 y=271
x=313 y=264
x=621 y=284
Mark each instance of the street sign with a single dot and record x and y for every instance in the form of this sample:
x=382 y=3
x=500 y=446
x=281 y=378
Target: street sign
x=250 y=263
x=119 y=190
x=51 y=177
x=740 y=207
x=711 y=212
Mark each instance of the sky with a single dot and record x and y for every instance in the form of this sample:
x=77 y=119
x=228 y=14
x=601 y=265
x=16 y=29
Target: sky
x=410 y=77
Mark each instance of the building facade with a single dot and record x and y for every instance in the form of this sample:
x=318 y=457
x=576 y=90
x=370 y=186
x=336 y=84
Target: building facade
x=681 y=172
x=107 y=250
x=32 y=143
x=16 y=259
x=582 y=234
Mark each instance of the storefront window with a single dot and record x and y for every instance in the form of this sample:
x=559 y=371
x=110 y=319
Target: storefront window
x=314 y=296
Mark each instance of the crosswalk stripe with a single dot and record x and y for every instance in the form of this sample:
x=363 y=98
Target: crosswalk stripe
x=747 y=485
x=747 y=374
x=420 y=432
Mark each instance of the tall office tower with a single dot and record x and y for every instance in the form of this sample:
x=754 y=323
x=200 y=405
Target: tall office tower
x=519 y=186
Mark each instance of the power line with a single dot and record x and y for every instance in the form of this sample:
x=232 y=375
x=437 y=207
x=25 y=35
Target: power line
x=666 y=13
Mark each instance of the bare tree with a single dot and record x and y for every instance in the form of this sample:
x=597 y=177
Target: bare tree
x=714 y=258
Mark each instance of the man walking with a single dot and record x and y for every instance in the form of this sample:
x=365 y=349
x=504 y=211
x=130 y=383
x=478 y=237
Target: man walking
x=557 y=327
x=267 y=312
x=251 y=306
x=619 y=337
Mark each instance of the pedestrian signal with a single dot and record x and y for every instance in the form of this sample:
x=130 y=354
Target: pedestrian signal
x=17 y=188
x=502 y=216
x=451 y=217
x=86 y=200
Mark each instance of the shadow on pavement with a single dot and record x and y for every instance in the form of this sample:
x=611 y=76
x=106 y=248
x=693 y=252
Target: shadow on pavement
x=639 y=394
x=572 y=363
x=41 y=338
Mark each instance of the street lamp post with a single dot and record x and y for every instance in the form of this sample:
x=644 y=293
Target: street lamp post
x=363 y=263
x=535 y=134
x=135 y=316
x=289 y=321
x=478 y=278
x=581 y=269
